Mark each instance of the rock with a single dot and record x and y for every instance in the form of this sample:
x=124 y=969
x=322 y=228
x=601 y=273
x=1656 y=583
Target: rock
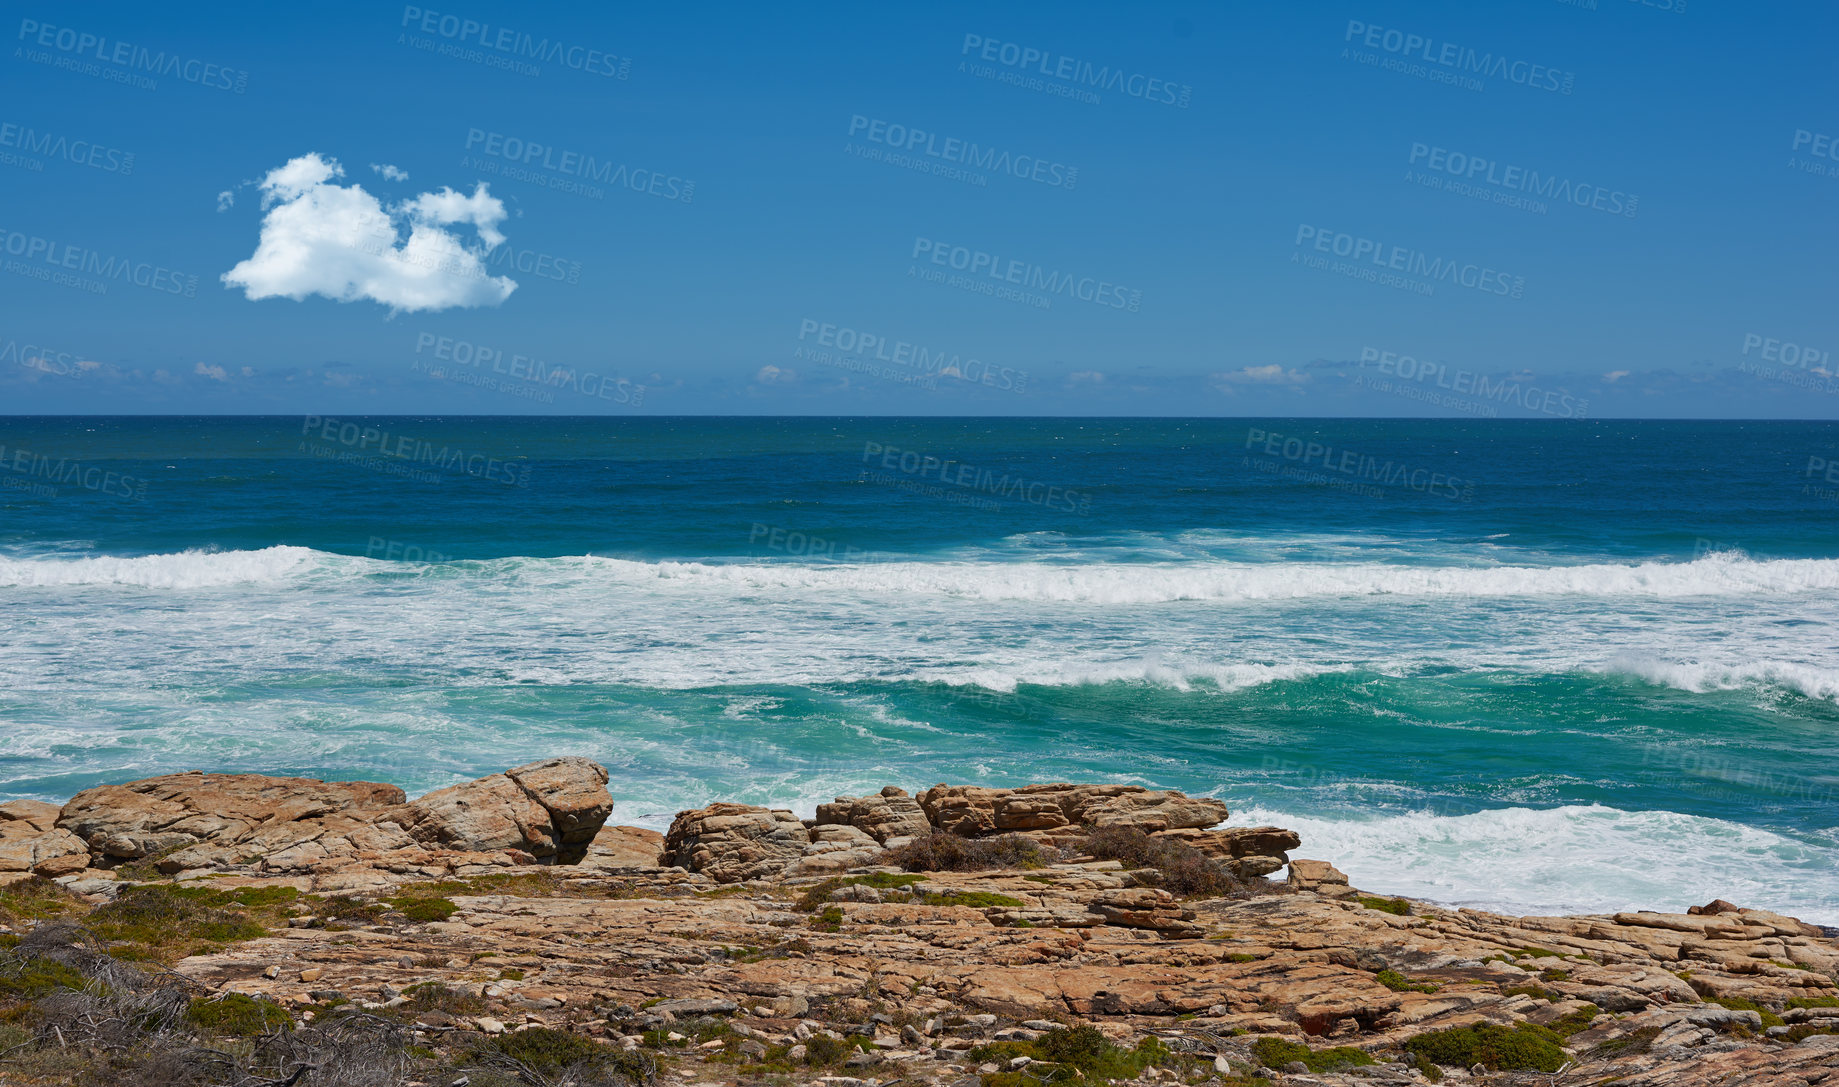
x=240 y=814
x=574 y=792
x=834 y=848
x=31 y=841
x=623 y=847
x=891 y=814
x=1233 y=842
x=735 y=842
x=1715 y=906
x=693 y=1006
x=489 y=1025
x=1321 y=877
x=513 y=810
x=974 y=811
x=855 y=893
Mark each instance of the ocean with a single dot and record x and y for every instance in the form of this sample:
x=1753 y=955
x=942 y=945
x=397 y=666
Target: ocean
x=1537 y=666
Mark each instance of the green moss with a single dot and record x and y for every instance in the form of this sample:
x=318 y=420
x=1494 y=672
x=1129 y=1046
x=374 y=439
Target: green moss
x=1041 y=879
x=425 y=909
x=828 y=920
x=1739 y=1004
x=1536 y=952
x=1813 y=1002
x=1277 y=1053
x=510 y=974
x=1537 y=992
x=1572 y=1022
x=1242 y=956
x=1428 y=1067
x=1523 y=1048
x=978 y=899
x=1804 y=1030
x=1398 y=907
x=1397 y=982
x=1554 y=974
x=239 y=1015
x=883 y=881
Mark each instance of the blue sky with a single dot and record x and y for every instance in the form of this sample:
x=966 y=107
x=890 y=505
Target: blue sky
x=1515 y=209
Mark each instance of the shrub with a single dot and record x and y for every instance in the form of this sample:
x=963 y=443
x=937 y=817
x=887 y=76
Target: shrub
x=33 y=978
x=1277 y=1053
x=1076 y=1053
x=433 y=996
x=1183 y=870
x=822 y=1049
x=1813 y=1002
x=943 y=851
x=1523 y=1048
x=36 y=898
x=237 y=1014
x=171 y=921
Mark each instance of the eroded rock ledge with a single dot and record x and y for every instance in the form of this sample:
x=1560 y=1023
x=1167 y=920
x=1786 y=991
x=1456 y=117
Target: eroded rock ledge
x=746 y=931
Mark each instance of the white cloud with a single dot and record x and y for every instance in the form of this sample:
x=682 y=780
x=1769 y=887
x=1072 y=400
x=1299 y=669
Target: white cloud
x=1614 y=376
x=770 y=374
x=1272 y=374
x=226 y=200
x=390 y=173
x=340 y=242
x=1093 y=376
x=215 y=373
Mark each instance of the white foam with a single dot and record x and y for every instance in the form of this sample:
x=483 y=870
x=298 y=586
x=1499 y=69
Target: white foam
x=1226 y=582
x=1180 y=676
x=183 y=570
x=1700 y=677
x=1573 y=859
x=1718 y=574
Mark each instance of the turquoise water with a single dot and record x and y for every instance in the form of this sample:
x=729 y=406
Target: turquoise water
x=1530 y=665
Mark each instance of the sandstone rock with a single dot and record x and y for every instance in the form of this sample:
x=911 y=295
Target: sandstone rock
x=544 y=808
x=574 y=792
x=834 y=848
x=261 y=814
x=623 y=847
x=735 y=842
x=30 y=841
x=1321 y=877
x=974 y=811
x=889 y=815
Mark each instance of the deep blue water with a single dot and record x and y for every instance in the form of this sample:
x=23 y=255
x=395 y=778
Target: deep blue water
x=1551 y=665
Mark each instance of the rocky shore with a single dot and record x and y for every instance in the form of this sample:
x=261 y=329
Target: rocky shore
x=242 y=929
